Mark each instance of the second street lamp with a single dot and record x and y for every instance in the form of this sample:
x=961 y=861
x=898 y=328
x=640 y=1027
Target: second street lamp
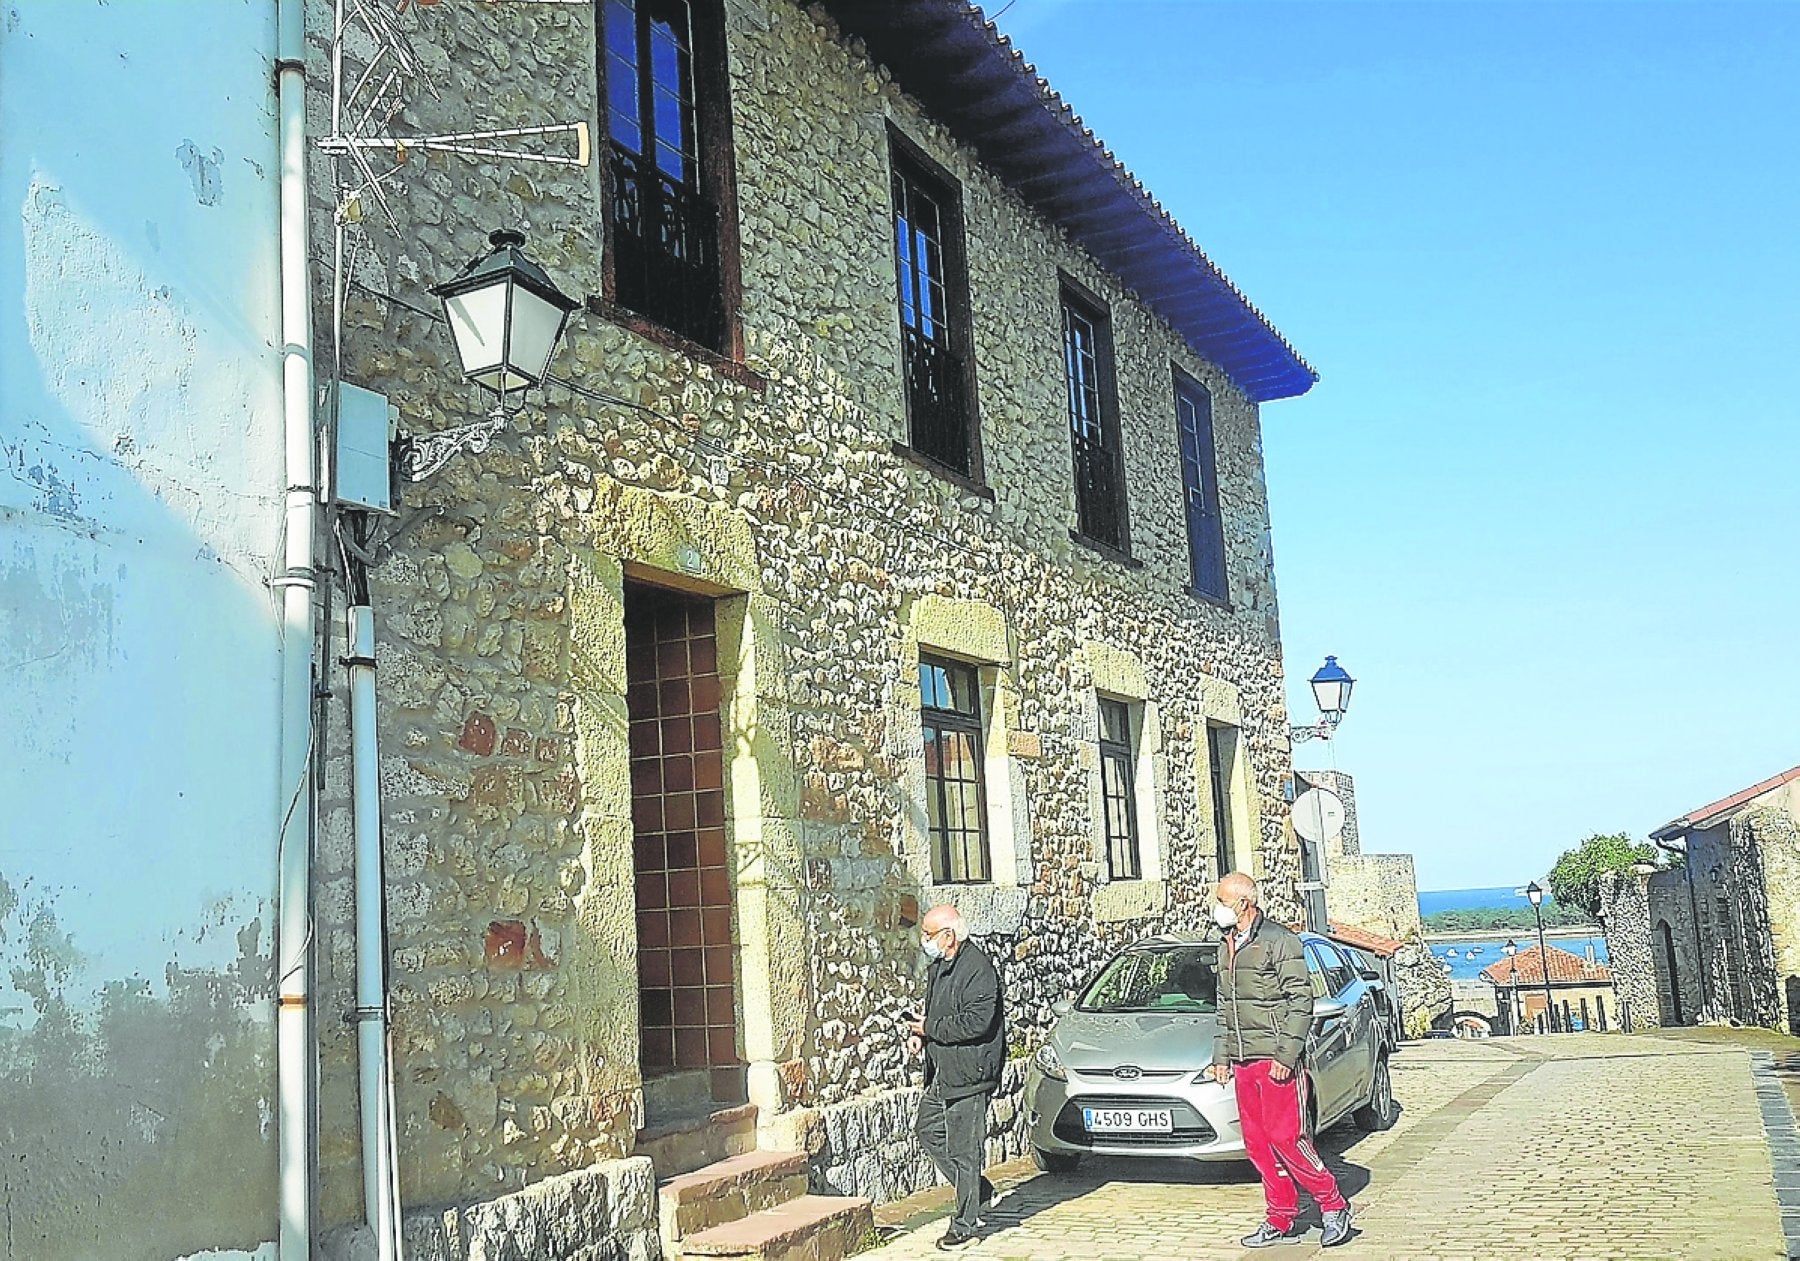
x=1535 y=892
x=506 y=316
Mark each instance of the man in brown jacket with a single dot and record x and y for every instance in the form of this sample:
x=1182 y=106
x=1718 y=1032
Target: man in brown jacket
x=1265 y=1013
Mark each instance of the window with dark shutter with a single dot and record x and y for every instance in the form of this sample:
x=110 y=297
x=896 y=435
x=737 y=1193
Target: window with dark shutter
x=1118 y=791
x=661 y=69
x=933 y=300
x=955 y=796
x=1221 y=745
x=1200 y=488
x=1093 y=422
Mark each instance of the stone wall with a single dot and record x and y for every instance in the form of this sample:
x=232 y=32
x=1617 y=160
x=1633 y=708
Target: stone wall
x=1765 y=844
x=1377 y=892
x=1625 y=916
x=606 y=1212
x=773 y=485
x=1424 y=986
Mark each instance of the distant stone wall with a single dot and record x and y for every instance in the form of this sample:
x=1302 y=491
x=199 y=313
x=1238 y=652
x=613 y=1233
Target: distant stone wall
x=1375 y=892
x=1425 y=993
x=1625 y=917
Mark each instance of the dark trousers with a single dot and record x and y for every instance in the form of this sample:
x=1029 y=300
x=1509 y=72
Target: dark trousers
x=954 y=1134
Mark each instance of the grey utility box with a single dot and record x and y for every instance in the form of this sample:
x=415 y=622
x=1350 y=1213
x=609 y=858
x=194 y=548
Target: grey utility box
x=365 y=428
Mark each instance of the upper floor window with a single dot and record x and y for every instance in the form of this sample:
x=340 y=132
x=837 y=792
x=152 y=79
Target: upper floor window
x=955 y=801
x=933 y=297
x=1093 y=421
x=1200 y=488
x=1118 y=791
x=668 y=196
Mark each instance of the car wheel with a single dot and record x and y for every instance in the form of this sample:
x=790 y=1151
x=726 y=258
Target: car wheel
x=1055 y=1162
x=1380 y=1112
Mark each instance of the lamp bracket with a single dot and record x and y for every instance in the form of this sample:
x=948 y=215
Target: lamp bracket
x=1324 y=729
x=422 y=454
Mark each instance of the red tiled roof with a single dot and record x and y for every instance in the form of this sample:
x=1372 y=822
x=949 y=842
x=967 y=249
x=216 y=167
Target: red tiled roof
x=1374 y=943
x=1708 y=812
x=1526 y=968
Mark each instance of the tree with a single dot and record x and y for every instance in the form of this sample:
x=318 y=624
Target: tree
x=1575 y=880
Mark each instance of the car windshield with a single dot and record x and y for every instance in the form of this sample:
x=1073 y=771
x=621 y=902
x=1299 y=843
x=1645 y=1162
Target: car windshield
x=1159 y=978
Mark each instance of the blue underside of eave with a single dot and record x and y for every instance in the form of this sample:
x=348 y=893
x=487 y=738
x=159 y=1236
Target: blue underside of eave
x=941 y=53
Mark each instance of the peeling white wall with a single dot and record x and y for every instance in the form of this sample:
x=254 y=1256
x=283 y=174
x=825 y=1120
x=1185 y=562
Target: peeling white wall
x=140 y=475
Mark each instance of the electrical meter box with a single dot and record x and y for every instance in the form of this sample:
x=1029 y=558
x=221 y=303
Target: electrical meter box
x=366 y=424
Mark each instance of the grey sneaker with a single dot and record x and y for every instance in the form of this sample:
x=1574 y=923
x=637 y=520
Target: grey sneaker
x=1266 y=1236
x=1337 y=1227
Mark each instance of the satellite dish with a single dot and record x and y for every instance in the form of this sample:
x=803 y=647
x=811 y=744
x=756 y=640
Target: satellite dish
x=1318 y=814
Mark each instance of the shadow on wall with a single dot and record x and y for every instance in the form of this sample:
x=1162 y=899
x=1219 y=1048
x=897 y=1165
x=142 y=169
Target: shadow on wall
x=132 y=1116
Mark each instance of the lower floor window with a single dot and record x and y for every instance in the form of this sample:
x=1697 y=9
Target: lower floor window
x=1118 y=791
x=955 y=805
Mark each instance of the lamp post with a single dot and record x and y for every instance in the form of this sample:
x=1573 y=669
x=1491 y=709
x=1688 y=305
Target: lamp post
x=1510 y=949
x=1535 y=892
x=1331 y=685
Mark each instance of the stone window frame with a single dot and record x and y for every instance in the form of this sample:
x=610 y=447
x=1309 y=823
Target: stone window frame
x=1221 y=706
x=1117 y=674
x=978 y=634
x=908 y=160
x=946 y=718
x=718 y=182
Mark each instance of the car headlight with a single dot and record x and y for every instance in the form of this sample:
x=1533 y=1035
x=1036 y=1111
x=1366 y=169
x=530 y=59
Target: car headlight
x=1049 y=1063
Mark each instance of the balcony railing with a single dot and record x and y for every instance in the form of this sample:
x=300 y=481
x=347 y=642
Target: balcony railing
x=936 y=401
x=665 y=244
x=1099 y=493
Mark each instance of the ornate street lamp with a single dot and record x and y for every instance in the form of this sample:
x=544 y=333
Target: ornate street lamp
x=506 y=316
x=1510 y=949
x=1535 y=893
x=1331 y=685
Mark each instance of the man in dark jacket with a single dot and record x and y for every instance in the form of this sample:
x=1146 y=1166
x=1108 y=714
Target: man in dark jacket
x=963 y=1037
x=1265 y=1013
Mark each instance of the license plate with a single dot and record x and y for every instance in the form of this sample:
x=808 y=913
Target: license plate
x=1128 y=1120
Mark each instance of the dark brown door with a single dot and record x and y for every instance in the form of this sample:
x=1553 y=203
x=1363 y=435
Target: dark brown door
x=686 y=956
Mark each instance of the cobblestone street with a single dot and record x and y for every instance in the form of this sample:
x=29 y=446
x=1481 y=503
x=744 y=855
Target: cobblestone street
x=1583 y=1146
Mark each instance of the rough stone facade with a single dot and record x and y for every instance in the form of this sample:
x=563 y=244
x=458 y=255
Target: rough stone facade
x=1625 y=916
x=1713 y=936
x=771 y=485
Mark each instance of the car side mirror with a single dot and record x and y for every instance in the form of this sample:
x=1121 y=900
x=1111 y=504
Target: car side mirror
x=1370 y=974
x=1326 y=1008
x=1061 y=1007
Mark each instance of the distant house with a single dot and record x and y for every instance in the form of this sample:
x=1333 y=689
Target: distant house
x=1580 y=989
x=1715 y=936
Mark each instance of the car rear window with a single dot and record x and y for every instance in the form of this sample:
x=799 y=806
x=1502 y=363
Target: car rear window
x=1173 y=979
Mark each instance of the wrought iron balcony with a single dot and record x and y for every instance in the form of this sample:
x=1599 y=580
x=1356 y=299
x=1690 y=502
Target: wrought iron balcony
x=936 y=401
x=665 y=241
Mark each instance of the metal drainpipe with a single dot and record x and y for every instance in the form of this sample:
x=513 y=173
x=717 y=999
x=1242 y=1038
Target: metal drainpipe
x=380 y=1200
x=1700 y=964
x=299 y=647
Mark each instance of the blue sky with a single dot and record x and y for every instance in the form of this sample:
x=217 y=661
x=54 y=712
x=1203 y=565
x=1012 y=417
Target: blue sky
x=1543 y=502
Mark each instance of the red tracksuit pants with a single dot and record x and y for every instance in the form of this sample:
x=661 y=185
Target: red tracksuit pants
x=1269 y=1116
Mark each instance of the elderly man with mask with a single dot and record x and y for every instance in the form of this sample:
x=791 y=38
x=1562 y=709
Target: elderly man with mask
x=963 y=1038
x=1265 y=1011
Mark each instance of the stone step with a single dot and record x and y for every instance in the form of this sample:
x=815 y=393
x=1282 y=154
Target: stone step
x=683 y=1144
x=809 y=1228
x=728 y=1190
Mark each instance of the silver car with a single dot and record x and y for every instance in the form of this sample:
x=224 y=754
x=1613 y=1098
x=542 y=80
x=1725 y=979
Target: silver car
x=1124 y=1071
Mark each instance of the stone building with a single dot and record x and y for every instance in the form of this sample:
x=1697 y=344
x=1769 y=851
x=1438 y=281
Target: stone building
x=1379 y=894
x=899 y=536
x=1716 y=934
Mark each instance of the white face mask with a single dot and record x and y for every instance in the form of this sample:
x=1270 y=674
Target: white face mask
x=1224 y=916
x=931 y=948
